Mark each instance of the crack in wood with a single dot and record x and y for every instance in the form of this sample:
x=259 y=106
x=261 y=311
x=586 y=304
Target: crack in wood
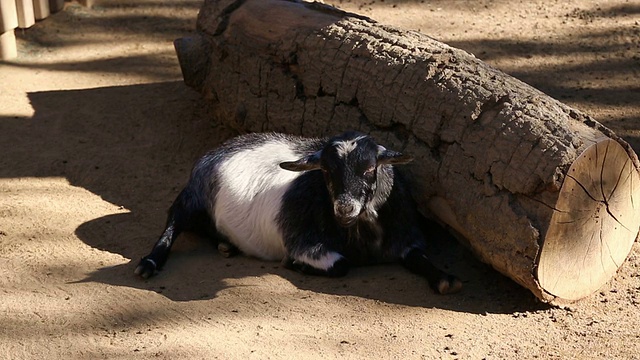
x=615 y=218
x=583 y=188
x=604 y=202
x=606 y=244
x=602 y=167
x=544 y=204
x=224 y=16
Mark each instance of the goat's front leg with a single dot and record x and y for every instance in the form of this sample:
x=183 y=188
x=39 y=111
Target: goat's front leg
x=417 y=261
x=318 y=261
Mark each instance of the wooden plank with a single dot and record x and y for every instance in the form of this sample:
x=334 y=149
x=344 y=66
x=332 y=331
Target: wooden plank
x=8 y=15
x=56 y=5
x=26 y=15
x=87 y=3
x=8 y=47
x=41 y=9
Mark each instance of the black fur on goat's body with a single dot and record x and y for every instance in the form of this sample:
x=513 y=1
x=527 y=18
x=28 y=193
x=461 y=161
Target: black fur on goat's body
x=344 y=205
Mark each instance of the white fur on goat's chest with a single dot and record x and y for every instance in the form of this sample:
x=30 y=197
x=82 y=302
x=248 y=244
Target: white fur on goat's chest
x=251 y=186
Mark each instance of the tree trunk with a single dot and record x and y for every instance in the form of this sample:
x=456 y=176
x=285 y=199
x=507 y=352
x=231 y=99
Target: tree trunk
x=543 y=193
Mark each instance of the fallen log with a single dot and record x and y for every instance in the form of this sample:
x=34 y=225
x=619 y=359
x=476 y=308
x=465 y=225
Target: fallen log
x=540 y=191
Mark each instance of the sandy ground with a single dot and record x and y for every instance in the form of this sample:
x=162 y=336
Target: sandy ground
x=98 y=132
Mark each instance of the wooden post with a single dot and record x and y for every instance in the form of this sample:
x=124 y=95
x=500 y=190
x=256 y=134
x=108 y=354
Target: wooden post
x=8 y=48
x=8 y=22
x=8 y=15
x=56 y=5
x=26 y=15
x=41 y=9
x=542 y=192
x=87 y=3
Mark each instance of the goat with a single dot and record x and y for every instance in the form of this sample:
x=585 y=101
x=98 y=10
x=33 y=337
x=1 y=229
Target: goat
x=262 y=194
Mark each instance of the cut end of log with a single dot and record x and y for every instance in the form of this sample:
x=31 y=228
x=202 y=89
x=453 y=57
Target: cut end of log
x=192 y=57
x=594 y=223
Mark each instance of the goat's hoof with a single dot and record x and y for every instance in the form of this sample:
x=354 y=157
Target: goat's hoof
x=227 y=249
x=146 y=268
x=449 y=285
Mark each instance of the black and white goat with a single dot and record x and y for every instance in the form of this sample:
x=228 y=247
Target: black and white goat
x=262 y=194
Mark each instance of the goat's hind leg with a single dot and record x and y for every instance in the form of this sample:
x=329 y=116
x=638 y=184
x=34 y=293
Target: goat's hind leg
x=153 y=262
x=227 y=249
x=417 y=261
x=203 y=225
x=186 y=214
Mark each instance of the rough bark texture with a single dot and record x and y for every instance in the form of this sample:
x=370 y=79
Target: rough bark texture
x=492 y=153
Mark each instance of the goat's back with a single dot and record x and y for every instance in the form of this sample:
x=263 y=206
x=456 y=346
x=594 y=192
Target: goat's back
x=248 y=186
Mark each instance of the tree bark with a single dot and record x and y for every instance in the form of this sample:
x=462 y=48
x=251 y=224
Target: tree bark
x=540 y=191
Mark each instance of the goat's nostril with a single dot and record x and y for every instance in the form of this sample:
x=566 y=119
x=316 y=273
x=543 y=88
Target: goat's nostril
x=345 y=209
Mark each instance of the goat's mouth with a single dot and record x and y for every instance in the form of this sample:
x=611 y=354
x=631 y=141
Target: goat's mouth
x=347 y=221
x=346 y=210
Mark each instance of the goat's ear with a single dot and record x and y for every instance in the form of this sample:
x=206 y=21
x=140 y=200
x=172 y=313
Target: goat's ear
x=391 y=157
x=309 y=162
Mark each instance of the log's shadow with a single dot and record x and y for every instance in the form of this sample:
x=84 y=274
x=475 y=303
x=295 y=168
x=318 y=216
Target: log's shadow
x=134 y=146
x=196 y=271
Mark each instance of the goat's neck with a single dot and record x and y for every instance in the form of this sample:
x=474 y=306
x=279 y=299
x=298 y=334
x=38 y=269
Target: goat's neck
x=384 y=183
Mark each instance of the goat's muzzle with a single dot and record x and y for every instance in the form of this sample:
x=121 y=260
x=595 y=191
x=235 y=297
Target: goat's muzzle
x=346 y=211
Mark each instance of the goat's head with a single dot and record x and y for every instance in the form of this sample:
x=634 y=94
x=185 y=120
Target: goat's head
x=350 y=163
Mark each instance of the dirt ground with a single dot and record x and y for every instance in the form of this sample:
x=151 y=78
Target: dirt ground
x=98 y=132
